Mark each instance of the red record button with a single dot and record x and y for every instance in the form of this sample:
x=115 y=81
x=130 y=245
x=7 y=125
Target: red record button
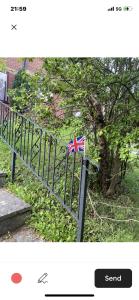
x=16 y=278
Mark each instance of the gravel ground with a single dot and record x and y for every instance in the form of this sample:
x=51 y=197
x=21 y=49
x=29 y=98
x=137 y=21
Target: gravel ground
x=23 y=234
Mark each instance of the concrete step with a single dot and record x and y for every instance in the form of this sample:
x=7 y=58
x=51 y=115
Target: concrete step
x=13 y=212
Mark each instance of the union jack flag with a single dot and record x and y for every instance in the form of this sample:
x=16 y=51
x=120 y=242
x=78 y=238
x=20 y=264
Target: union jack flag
x=76 y=145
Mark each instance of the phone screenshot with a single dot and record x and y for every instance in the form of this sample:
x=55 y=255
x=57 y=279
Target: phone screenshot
x=69 y=149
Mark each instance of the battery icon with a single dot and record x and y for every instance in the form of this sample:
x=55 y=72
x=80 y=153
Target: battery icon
x=127 y=8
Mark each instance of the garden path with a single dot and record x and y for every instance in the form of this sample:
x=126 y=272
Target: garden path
x=23 y=234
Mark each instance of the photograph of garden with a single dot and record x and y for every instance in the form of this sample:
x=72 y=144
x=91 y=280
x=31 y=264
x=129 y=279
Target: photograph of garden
x=69 y=149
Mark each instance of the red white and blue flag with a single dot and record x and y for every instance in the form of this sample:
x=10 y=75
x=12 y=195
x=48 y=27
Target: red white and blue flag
x=76 y=145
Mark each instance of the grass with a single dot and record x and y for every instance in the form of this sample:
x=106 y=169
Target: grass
x=123 y=207
x=52 y=222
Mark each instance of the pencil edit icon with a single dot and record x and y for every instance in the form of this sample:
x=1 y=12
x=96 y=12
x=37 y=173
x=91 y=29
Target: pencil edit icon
x=43 y=278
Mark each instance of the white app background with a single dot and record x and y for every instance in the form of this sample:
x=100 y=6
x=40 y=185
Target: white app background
x=70 y=269
x=69 y=28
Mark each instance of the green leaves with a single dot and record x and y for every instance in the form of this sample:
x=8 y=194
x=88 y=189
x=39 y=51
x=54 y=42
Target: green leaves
x=2 y=65
x=98 y=97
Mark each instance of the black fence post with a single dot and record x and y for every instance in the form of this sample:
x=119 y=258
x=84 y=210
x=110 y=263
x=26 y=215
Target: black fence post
x=82 y=199
x=13 y=165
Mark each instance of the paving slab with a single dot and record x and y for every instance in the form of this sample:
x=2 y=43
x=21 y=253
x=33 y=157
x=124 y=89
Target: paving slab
x=22 y=234
x=13 y=212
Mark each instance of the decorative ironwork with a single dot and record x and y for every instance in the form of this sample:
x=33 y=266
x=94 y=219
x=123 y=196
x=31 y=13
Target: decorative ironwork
x=65 y=176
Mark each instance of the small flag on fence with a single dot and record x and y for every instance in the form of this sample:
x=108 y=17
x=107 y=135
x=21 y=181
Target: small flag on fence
x=76 y=145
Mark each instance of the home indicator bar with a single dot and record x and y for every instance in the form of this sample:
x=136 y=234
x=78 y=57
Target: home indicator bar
x=69 y=295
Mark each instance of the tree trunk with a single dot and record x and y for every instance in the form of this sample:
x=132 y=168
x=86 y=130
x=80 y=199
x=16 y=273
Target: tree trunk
x=99 y=124
x=115 y=179
x=104 y=165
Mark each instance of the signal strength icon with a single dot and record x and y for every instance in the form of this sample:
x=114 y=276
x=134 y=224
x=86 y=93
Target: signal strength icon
x=111 y=9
